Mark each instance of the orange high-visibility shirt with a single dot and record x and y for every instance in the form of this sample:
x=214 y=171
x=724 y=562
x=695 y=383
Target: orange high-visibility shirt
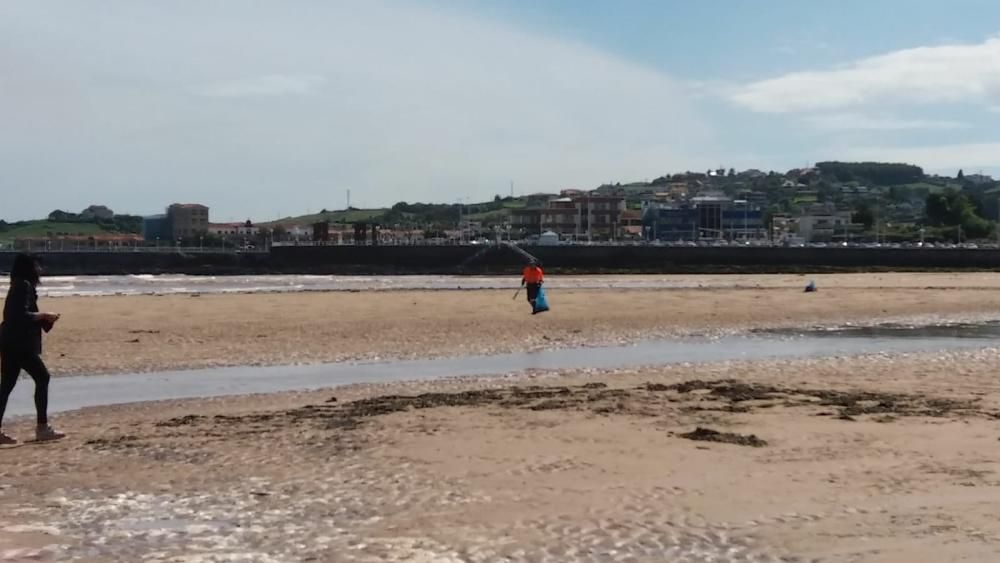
x=532 y=274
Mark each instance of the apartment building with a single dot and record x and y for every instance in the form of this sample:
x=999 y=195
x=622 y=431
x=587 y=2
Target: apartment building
x=574 y=215
x=187 y=220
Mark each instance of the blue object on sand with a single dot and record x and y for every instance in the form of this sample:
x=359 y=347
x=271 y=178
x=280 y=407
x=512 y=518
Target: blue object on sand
x=541 y=303
x=811 y=287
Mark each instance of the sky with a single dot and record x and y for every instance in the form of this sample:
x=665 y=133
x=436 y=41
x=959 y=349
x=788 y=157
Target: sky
x=263 y=109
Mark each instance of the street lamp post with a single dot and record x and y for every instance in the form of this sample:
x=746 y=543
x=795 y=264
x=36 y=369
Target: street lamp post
x=878 y=205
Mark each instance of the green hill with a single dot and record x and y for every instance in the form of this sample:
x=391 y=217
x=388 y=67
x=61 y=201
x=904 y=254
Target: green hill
x=41 y=229
x=341 y=216
x=490 y=212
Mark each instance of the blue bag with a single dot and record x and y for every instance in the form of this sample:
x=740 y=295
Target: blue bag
x=541 y=303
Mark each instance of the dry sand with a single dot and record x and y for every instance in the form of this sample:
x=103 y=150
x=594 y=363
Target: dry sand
x=132 y=334
x=883 y=458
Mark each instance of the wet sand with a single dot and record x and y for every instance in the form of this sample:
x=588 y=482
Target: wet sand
x=877 y=458
x=881 y=458
x=150 y=333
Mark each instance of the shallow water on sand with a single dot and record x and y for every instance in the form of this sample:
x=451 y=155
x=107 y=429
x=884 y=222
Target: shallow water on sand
x=70 y=393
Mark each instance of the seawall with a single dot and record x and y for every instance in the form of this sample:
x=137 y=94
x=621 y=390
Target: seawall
x=115 y=263
x=501 y=260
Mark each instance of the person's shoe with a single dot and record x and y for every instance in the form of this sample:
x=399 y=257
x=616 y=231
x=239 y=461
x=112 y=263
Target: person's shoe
x=44 y=433
x=6 y=440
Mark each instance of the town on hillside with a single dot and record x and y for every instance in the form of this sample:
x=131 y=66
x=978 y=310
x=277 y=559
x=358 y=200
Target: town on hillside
x=831 y=203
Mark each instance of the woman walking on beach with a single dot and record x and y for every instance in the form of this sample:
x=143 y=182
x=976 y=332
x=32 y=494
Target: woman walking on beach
x=21 y=344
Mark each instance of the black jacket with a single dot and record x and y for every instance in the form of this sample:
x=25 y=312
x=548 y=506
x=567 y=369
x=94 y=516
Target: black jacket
x=21 y=331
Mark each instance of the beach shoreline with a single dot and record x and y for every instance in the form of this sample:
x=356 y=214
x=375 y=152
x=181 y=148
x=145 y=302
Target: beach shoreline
x=878 y=457
x=138 y=334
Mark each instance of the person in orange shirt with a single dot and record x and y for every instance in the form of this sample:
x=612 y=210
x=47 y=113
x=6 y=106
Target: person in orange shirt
x=532 y=277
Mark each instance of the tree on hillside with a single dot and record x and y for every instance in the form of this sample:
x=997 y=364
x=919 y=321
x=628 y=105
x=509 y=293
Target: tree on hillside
x=131 y=224
x=96 y=212
x=61 y=216
x=951 y=207
x=899 y=194
x=864 y=215
x=825 y=191
x=877 y=173
x=961 y=175
x=977 y=227
x=938 y=209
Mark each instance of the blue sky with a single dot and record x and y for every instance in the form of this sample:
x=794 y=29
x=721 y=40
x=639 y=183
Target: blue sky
x=276 y=108
x=740 y=42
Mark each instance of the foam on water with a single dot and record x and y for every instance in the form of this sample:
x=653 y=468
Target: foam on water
x=147 y=284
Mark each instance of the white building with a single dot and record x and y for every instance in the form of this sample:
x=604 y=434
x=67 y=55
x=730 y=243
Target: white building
x=233 y=230
x=823 y=223
x=548 y=238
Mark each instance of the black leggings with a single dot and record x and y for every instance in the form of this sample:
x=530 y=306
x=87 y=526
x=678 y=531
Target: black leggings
x=11 y=364
x=533 y=292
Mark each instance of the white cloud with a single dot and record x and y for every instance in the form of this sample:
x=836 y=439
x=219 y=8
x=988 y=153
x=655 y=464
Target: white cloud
x=403 y=103
x=272 y=85
x=932 y=157
x=942 y=74
x=862 y=122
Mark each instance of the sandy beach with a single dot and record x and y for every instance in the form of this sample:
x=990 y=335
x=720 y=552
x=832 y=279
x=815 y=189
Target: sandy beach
x=877 y=458
x=155 y=333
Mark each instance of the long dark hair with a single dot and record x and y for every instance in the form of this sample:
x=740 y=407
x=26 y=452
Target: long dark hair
x=25 y=268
